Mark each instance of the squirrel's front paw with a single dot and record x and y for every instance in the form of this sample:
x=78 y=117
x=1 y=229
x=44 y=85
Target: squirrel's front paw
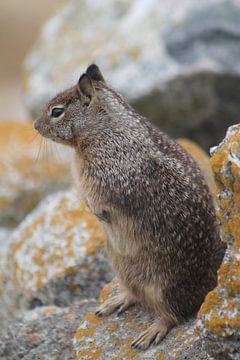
x=120 y=302
x=154 y=334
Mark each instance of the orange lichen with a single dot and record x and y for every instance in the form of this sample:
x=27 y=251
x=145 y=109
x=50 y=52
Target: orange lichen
x=161 y=356
x=17 y=245
x=92 y=324
x=221 y=309
x=91 y=354
x=126 y=351
x=39 y=282
x=232 y=282
x=212 y=299
x=64 y=217
x=107 y=290
x=93 y=321
x=222 y=325
x=93 y=226
x=30 y=230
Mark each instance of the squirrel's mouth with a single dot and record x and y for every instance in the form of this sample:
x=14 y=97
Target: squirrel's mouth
x=49 y=133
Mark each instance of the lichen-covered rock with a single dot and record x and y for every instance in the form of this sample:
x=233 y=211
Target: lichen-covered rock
x=55 y=257
x=180 y=68
x=27 y=172
x=44 y=333
x=202 y=160
x=219 y=316
x=111 y=337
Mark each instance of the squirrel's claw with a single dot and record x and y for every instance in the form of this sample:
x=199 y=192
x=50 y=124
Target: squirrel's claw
x=120 y=302
x=154 y=334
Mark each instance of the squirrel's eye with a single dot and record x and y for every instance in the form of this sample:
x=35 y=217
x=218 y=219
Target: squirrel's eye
x=56 y=112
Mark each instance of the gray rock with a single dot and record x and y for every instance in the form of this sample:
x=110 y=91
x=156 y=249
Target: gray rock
x=54 y=257
x=45 y=333
x=219 y=316
x=177 y=62
x=111 y=337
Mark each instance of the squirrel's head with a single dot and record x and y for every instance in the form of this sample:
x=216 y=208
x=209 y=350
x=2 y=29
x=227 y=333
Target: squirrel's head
x=74 y=112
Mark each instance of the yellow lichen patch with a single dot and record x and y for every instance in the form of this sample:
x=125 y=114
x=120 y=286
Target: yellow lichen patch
x=232 y=282
x=202 y=160
x=87 y=331
x=220 y=312
x=225 y=324
x=57 y=237
x=91 y=322
x=90 y=354
x=212 y=299
x=126 y=352
x=233 y=225
x=91 y=326
x=107 y=290
x=161 y=356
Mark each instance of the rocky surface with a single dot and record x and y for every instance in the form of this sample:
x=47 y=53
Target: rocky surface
x=55 y=256
x=44 y=334
x=219 y=316
x=28 y=172
x=181 y=68
x=110 y=337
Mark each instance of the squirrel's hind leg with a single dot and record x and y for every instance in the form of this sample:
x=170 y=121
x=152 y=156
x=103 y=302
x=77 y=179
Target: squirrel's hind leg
x=153 y=335
x=120 y=302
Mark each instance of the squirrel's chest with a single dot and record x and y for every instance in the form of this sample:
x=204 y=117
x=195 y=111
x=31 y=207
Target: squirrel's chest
x=118 y=228
x=88 y=192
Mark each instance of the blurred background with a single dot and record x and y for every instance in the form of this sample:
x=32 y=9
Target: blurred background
x=20 y=23
x=176 y=62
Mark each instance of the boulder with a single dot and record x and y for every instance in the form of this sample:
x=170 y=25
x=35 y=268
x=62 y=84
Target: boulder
x=174 y=61
x=54 y=257
x=44 y=333
x=28 y=172
x=110 y=337
x=219 y=316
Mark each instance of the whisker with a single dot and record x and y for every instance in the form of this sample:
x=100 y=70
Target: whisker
x=46 y=154
x=33 y=138
x=57 y=152
x=39 y=151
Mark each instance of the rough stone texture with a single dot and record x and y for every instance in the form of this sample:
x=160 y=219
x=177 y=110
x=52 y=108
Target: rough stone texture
x=44 y=333
x=110 y=337
x=27 y=171
x=55 y=256
x=219 y=316
x=174 y=60
x=202 y=159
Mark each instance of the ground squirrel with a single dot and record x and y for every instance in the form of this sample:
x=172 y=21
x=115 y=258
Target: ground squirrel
x=162 y=234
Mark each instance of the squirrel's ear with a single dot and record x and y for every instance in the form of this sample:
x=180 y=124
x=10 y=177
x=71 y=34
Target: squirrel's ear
x=94 y=73
x=86 y=88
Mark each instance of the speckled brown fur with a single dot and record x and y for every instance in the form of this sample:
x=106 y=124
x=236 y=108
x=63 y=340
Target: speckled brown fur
x=162 y=234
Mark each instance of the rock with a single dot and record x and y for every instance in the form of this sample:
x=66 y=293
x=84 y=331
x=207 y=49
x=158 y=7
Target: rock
x=110 y=337
x=26 y=176
x=55 y=257
x=202 y=160
x=181 y=68
x=43 y=333
x=219 y=316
